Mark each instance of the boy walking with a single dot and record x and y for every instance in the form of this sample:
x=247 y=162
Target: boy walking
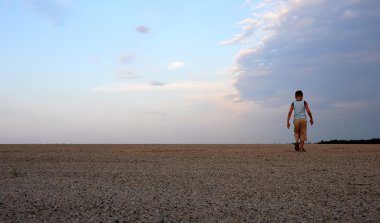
x=300 y=121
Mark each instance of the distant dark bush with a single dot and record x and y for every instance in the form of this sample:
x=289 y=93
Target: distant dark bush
x=355 y=141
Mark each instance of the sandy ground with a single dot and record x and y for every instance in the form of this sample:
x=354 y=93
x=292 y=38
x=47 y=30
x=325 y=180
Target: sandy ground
x=189 y=183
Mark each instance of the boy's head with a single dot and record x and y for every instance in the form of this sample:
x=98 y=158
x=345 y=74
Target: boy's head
x=299 y=95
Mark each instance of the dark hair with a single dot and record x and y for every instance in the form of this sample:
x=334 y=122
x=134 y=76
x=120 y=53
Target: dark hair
x=299 y=93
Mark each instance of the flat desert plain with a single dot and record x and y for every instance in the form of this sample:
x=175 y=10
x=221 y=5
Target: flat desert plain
x=189 y=183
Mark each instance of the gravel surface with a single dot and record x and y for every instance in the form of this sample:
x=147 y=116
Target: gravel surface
x=189 y=183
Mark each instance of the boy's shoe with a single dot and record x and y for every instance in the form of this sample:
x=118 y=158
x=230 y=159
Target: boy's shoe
x=302 y=150
x=297 y=146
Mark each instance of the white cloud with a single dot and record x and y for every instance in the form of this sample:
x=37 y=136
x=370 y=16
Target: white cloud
x=327 y=48
x=266 y=16
x=248 y=25
x=176 y=65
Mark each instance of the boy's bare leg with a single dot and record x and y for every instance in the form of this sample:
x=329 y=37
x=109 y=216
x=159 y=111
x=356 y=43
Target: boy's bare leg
x=297 y=138
x=301 y=146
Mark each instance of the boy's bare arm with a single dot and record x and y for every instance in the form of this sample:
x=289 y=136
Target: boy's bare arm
x=290 y=115
x=309 y=113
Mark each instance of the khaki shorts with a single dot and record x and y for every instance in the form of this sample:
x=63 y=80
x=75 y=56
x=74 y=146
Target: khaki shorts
x=300 y=128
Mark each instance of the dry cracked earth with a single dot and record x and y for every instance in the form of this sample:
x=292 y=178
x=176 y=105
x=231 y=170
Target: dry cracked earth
x=189 y=183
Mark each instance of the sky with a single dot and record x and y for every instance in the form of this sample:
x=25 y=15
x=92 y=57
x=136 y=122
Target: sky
x=212 y=71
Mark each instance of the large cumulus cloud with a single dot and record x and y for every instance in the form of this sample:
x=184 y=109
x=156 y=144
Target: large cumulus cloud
x=330 y=49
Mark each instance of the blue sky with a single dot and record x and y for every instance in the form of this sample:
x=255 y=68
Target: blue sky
x=215 y=71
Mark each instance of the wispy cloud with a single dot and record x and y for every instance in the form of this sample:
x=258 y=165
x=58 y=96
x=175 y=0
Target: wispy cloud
x=126 y=74
x=143 y=29
x=176 y=65
x=125 y=58
x=249 y=26
x=156 y=83
x=266 y=15
x=152 y=86
x=53 y=10
x=221 y=96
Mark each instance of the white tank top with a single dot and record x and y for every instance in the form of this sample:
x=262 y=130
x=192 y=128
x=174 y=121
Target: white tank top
x=299 y=109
